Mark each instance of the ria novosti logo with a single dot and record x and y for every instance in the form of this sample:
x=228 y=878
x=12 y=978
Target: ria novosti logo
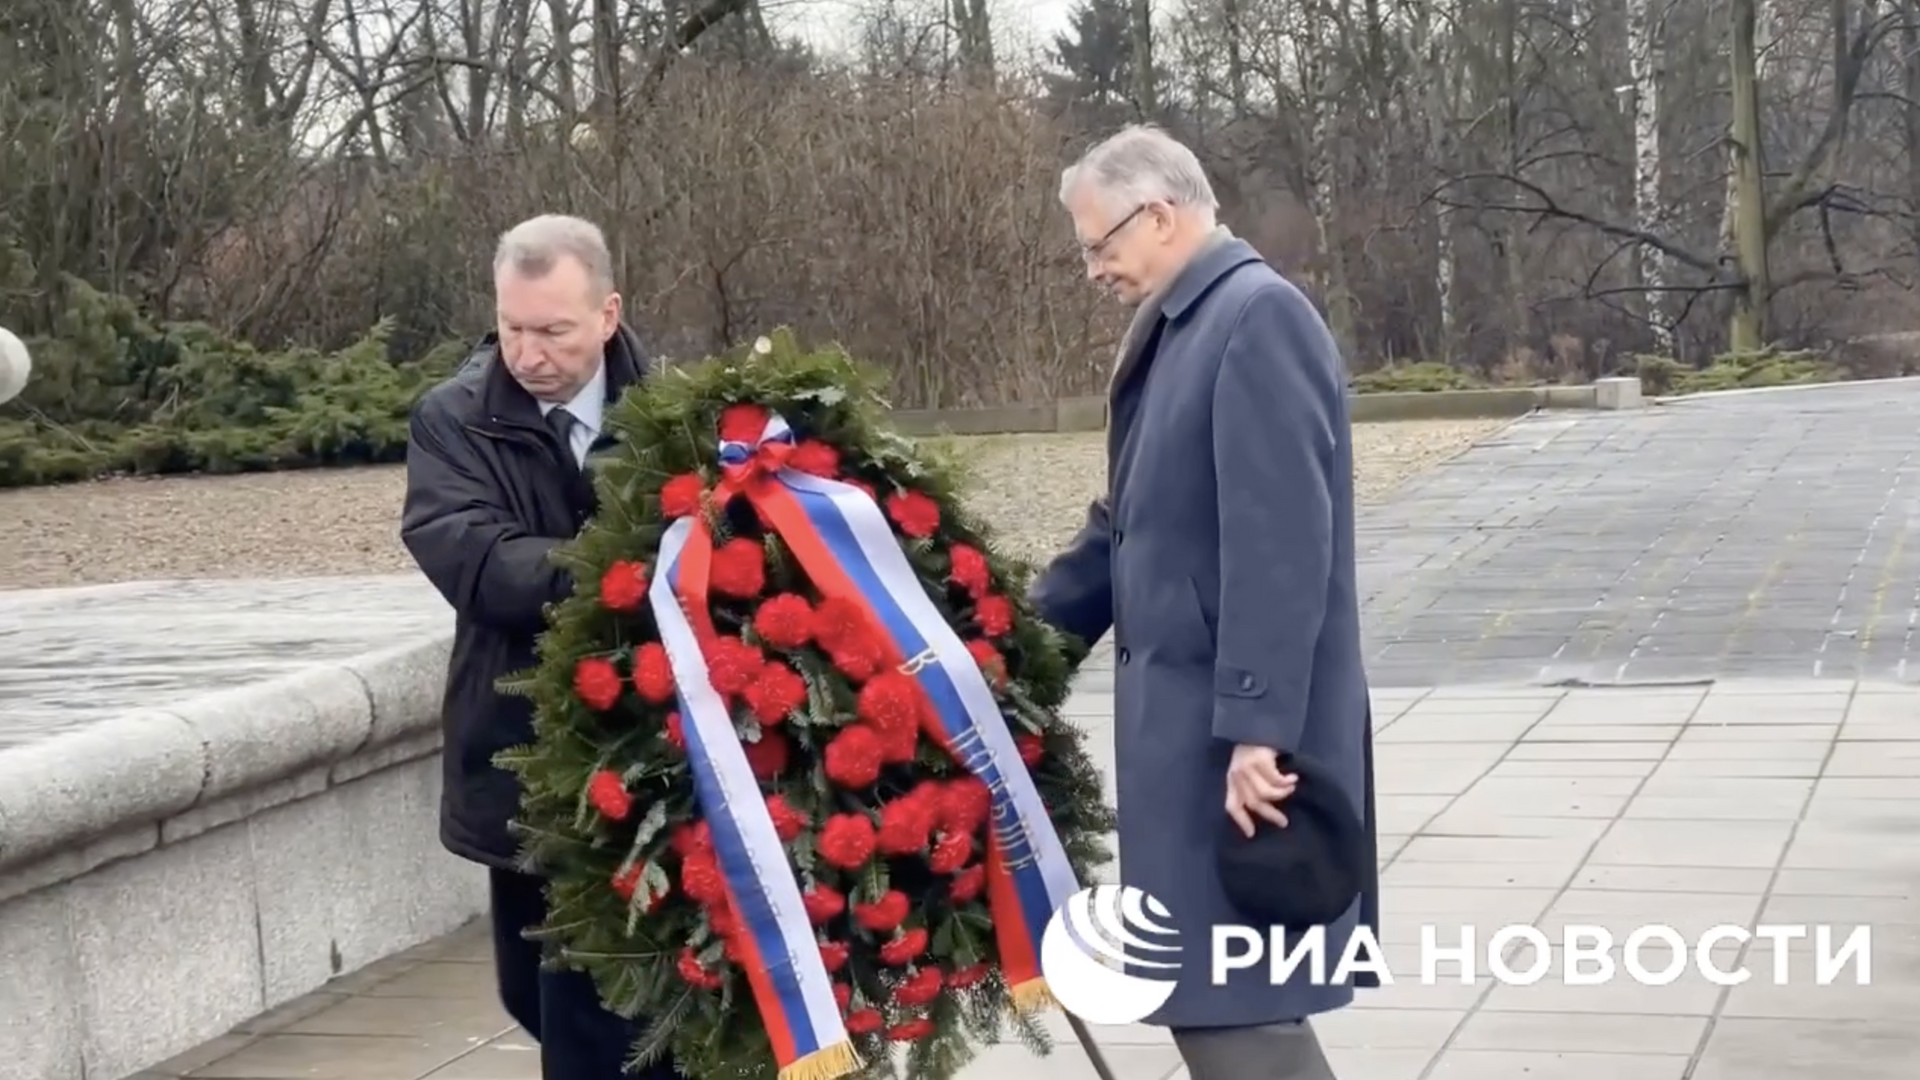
x=1108 y=962
x=1110 y=955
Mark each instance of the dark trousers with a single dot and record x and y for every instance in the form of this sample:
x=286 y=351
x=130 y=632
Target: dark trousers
x=579 y=1039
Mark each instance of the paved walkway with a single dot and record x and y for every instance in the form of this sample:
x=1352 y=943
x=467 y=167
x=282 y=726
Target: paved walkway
x=1766 y=535
x=1775 y=802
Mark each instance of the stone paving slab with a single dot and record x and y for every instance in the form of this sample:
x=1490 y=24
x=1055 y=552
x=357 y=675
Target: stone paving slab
x=1759 y=535
x=69 y=657
x=1737 y=803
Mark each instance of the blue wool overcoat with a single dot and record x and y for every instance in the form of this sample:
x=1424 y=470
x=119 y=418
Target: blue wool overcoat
x=1223 y=562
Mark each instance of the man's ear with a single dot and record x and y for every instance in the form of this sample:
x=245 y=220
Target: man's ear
x=611 y=313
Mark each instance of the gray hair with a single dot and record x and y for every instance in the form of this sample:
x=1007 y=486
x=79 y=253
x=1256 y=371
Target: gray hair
x=1139 y=165
x=536 y=245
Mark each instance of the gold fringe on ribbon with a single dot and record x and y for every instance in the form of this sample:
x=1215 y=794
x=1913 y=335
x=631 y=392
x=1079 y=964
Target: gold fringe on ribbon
x=1033 y=996
x=827 y=1063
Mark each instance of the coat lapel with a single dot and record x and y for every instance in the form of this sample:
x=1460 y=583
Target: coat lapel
x=1171 y=299
x=1220 y=254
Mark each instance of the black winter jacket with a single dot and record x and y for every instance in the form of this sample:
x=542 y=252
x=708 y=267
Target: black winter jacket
x=490 y=494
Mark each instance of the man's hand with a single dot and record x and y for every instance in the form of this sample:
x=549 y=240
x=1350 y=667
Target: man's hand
x=1255 y=785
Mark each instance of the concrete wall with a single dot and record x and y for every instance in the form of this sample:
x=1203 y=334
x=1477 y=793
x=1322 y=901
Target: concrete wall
x=169 y=874
x=1085 y=414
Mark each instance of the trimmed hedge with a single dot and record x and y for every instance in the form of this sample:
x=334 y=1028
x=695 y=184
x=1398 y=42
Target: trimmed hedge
x=113 y=394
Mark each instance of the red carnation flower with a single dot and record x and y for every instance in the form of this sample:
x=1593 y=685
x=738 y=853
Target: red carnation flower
x=928 y=794
x=854 y=757
x=624 y=586
x=777 y=693
x=700 y=878
x=768 y=757
x=815 y=458
x=744 y=422
x=739 y=568
x=917 y=515
x=839 y=621
x=920 y=988
x=788 y=823
x=823 y=903
x=653 y=673
x=680 y=496
x=1032 y=749
x=734 y=949
x=901 y=950
x=951 y=853
x=608 y=794
x=784 y=621
x=965 y=804
x=992 y=664
x=842 y=995
x=864 y=1022
x=994 y=615
x=627 y=882
x=597 y=682
x=723 y=921
x=732 y=664
x=911 y=1031
x=899 y=747
x=971 y=975
x=676 y=736
x=904 y=824
x=968 y=883
x=891 y=702
x=884 y=914
x=833 y=955
x=968 y=569
x=846 y=841
x=859 y=660
x=697 y=975
x=693 y=838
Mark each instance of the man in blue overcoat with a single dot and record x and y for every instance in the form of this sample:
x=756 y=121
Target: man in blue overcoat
x=1223 y=562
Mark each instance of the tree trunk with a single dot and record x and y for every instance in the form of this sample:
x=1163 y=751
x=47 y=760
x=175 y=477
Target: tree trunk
x=1146 y=97
x=1910 y=49
x=1649 y=208
x=1746 y=329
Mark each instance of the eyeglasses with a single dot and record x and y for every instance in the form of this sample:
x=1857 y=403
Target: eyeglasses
x=1092 y=251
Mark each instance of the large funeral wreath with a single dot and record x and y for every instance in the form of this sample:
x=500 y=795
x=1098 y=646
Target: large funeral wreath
x=751 y=668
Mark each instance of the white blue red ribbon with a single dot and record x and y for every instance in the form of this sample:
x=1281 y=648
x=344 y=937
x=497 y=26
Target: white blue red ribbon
x=782 y=961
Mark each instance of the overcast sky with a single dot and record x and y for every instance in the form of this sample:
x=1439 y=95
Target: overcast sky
x=828 y=23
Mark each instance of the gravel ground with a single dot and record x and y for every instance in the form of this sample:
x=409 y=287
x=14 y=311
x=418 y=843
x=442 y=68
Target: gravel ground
x=1034 y=489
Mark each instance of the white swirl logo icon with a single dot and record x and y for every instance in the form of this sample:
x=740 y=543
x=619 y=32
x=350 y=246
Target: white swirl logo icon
x=1101 y=959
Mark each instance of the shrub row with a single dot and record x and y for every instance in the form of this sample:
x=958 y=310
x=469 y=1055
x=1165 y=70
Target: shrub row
x=114 y=394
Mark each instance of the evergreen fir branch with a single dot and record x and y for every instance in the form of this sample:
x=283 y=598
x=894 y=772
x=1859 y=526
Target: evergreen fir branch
x=657 y=1038
x=1032 y=1034
x=650 y=825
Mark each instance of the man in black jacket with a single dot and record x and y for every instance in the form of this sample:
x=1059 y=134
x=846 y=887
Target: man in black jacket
x=496 y=478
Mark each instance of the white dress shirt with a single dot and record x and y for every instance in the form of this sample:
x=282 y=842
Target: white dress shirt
x=587 y=408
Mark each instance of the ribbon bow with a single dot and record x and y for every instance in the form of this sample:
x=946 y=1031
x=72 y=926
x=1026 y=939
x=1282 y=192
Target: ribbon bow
x=748 y=454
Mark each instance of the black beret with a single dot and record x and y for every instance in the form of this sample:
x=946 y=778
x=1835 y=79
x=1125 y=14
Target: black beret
x=1307 y=874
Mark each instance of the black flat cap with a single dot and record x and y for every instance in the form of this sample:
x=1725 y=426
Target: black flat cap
x=1307 y=874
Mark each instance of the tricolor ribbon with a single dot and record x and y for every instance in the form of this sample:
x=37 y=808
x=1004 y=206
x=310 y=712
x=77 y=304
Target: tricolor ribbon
x=842 y=541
